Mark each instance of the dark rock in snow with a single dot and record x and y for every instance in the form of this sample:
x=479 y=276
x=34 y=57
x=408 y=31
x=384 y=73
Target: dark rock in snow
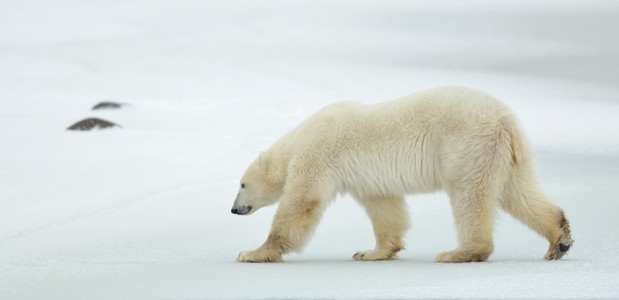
x=92 y=123
x=107 y=105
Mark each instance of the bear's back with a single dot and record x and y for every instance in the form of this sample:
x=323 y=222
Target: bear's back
x=397 y=145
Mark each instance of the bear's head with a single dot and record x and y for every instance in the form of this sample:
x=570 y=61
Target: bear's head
x=261 y=185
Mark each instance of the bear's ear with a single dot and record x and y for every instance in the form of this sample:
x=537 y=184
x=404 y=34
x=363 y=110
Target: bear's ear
x=262 y=158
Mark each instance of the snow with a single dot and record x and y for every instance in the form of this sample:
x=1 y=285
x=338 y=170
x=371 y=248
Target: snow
x=143 y=212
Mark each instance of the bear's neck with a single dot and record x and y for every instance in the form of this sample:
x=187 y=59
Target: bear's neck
x=279 y=156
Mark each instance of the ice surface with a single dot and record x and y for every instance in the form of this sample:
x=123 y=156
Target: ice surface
x=143 y=212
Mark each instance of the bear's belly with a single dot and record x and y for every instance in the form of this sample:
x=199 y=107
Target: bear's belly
x=381 y=177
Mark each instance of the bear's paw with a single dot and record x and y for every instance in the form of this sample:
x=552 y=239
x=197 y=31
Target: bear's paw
x=259 y=256
x=375 y=255
x=463 y=256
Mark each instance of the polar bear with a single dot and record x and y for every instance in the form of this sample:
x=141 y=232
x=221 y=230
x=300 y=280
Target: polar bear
x=451 y=139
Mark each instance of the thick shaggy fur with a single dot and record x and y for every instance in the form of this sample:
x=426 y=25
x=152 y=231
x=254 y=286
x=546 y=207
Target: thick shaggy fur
x=453 y=139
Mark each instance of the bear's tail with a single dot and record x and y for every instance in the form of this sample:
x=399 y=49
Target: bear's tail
x=516 y=143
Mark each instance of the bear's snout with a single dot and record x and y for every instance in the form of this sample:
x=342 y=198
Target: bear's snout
x=242 y=210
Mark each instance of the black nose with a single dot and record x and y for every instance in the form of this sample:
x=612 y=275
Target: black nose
x=234 y=211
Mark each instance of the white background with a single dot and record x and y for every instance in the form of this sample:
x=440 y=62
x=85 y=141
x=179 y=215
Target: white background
x=143 y=212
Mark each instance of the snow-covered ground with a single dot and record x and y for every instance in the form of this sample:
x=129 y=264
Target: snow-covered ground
x=143 y=212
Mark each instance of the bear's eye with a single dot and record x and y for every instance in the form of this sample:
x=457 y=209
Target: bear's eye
x=242 y=185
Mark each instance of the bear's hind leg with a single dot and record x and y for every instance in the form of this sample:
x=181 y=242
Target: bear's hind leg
x=390 y=220
x=474 y=216
x=524 y=199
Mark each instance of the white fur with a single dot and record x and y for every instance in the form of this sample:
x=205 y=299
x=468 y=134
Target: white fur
x=453 y=139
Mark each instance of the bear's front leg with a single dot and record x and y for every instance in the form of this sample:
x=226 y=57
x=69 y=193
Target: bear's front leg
x=293 y=224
